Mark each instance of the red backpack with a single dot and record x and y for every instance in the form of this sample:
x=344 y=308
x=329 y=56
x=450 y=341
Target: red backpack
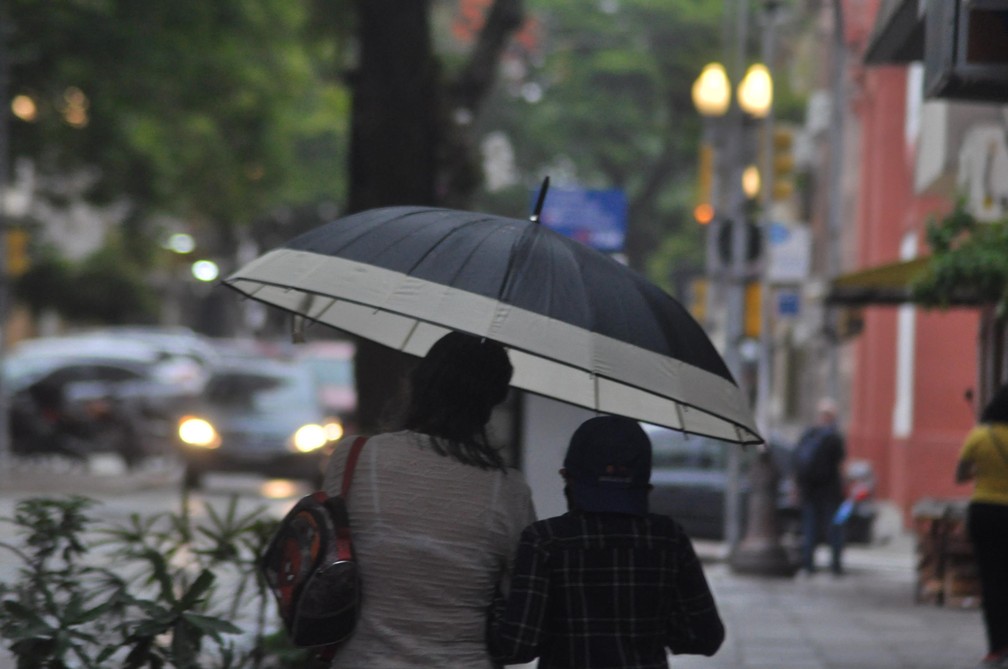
x=310 y=566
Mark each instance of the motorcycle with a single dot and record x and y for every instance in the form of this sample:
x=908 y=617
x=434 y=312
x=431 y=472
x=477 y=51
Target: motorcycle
x=858 y=510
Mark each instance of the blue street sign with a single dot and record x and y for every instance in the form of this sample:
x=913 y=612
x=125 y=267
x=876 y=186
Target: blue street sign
x=788 y=303
x=596 y=218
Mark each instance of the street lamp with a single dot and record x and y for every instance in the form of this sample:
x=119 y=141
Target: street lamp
x=755 y=93
x=712 y=91
x=759 y=551
x=752 y=182
x=712 y=97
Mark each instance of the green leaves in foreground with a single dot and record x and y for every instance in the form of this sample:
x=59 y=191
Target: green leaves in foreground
x=158 y=591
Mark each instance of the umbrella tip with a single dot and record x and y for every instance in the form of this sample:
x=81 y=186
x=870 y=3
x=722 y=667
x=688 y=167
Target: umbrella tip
x=539 y=201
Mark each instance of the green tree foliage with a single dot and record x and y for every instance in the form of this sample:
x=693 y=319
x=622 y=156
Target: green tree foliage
x=201 y=109
x=106 y=288
x=209 y=113
x=969 y=263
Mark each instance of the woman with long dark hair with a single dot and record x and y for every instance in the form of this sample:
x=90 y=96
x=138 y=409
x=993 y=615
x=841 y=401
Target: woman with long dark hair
x=435 y=515
x=984 y=460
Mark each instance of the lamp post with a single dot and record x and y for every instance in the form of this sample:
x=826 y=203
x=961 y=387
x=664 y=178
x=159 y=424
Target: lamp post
x=5 y=445
x=730 y=117
x=760 y=551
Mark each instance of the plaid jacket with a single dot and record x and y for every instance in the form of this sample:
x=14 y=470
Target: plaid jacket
x=604 y=591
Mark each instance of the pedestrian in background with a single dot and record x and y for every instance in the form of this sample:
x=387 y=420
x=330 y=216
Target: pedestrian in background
x=607 y=584
x=435 y=516
x=817 y=463
x=984 y=460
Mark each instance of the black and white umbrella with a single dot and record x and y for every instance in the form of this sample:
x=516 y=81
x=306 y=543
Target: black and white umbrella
x=579 y=326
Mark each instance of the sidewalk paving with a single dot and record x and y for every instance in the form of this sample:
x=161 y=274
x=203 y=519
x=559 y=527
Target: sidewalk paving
x=866 y=619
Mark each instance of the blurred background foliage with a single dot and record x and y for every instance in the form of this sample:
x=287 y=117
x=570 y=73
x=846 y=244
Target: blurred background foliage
x=232 y=120
x=604 y=101
x=208 y=110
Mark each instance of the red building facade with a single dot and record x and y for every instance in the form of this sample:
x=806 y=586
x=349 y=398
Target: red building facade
x=909 y=369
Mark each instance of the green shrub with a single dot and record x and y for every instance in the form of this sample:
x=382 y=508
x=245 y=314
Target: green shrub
x=152 y=592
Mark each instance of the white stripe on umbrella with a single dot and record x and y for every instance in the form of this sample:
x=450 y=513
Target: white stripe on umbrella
x=568 y=362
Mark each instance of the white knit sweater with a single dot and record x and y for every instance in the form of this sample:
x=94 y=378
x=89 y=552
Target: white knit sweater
x=433 y=537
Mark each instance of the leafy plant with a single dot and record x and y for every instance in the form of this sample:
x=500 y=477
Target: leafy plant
x=179 y=595
x=969 y=263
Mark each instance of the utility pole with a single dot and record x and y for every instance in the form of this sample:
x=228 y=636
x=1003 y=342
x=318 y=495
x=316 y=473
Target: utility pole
x=734 y=327
x=5 y=448
x=836 y=160
x=712 y=96
x=760 y=552
x=764 y=380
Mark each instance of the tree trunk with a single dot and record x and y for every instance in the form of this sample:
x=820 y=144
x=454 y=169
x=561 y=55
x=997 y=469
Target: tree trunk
x=392 y=152
x=405 y=149
x=395 y=130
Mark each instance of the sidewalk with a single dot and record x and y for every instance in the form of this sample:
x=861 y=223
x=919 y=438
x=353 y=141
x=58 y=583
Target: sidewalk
x=866 y=619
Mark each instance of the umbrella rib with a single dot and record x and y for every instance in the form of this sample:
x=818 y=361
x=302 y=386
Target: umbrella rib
x=507 y=281
x=503 y=292
x=451 y=233
x=461 y=265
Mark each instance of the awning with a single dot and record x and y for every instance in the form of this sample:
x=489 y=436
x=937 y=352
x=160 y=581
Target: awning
x=882 y=284
x=898 y=37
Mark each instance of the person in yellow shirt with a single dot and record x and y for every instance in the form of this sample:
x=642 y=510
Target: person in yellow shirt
x=984 y=461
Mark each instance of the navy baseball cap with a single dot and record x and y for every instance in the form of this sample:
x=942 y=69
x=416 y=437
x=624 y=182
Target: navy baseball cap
x=608 y=466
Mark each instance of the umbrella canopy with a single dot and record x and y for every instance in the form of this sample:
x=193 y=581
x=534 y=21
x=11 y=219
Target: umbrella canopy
x=579 y=326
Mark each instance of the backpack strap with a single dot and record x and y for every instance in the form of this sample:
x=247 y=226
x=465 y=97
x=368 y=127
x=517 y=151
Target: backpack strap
x=351 y=464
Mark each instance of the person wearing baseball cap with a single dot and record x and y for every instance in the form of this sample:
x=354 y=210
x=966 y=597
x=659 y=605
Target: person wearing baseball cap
x=606 y=584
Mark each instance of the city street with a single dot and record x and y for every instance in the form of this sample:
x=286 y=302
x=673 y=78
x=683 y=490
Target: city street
x=864 y=620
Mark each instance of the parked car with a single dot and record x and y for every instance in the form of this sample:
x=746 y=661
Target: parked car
x=689 y=477
x=183 y=356
x=257 y=415
x=176 y=360
x=74 y=406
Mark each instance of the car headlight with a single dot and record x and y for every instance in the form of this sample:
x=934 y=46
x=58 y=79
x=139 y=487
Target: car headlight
x=310 y=438
x=333 y=429
x=198 y=432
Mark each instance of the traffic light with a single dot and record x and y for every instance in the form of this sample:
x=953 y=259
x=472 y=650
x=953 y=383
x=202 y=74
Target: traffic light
x=17 y=262
x=752 y=323
x=698 y=299
x=726 y=239
x=783 y=164
x=703 y=212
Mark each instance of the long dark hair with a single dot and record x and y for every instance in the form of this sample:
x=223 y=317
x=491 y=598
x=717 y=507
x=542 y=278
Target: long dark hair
x=996 y=410
x=452 y=392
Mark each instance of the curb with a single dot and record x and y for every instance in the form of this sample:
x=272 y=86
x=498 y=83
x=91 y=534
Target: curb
x=101 y=474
